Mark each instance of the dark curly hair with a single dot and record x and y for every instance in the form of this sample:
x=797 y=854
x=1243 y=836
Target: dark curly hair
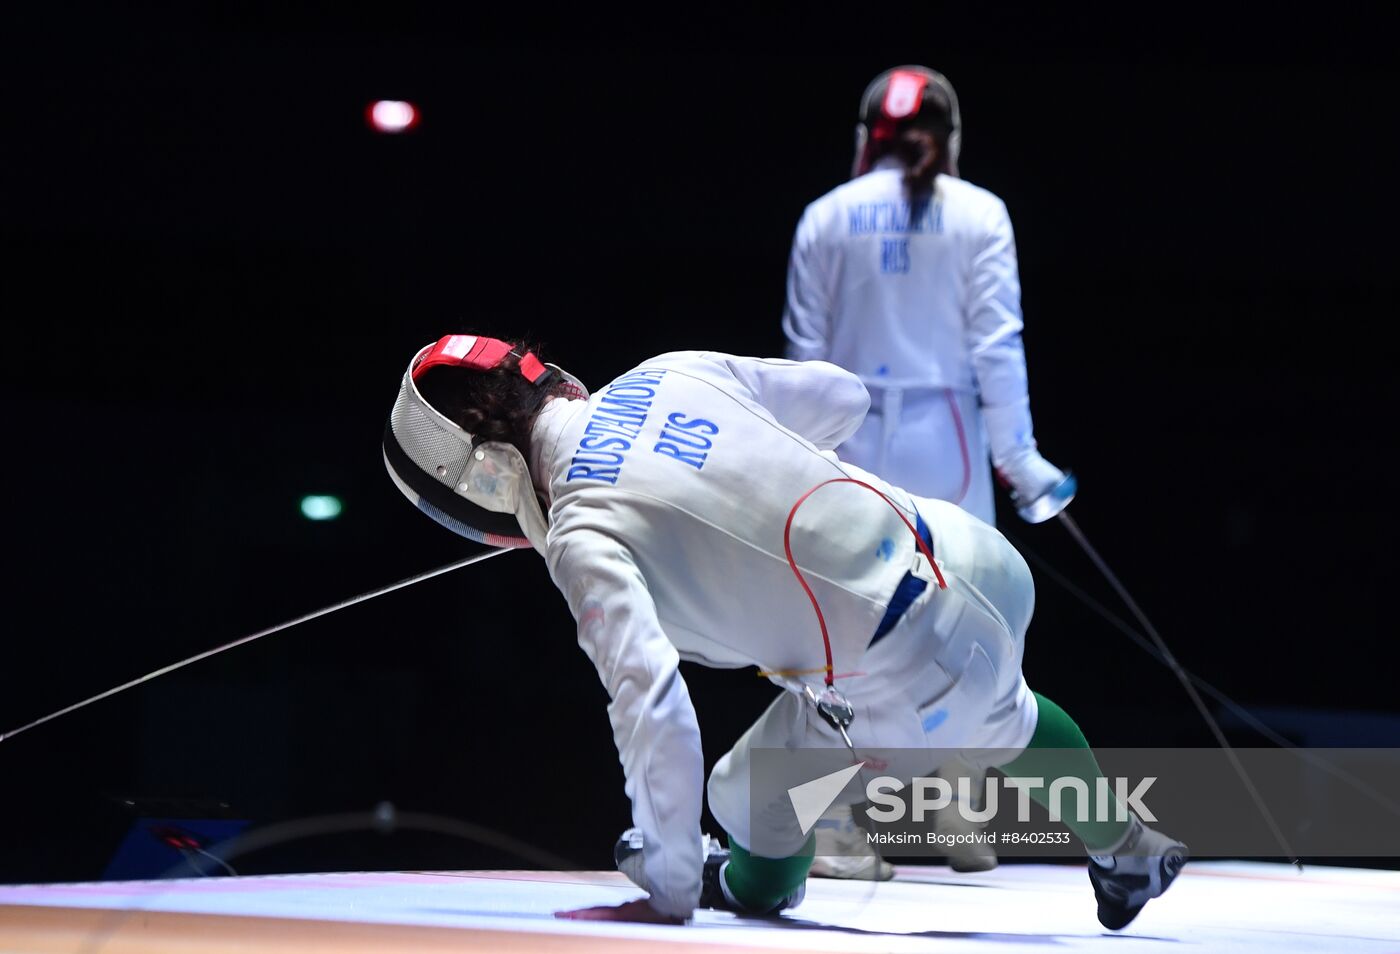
x=922 y=150
x=919 y=142
x=496 y=405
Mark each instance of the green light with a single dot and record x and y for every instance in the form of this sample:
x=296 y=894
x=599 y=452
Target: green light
x=320 y=507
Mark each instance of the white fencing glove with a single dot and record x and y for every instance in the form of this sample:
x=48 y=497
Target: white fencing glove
x=1038 y=488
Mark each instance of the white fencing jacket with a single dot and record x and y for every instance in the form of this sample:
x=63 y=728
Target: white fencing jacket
x=668 y=494
x=917 y=297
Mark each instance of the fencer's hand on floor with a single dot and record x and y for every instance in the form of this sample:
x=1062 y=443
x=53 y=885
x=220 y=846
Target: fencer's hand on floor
x=638 y=911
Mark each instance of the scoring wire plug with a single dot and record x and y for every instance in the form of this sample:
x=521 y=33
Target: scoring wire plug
x=835 y=709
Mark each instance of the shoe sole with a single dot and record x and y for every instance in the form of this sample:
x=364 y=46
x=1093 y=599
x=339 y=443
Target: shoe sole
x=1116 y=917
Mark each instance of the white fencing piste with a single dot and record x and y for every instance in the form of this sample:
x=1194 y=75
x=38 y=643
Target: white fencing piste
x=1241 y=907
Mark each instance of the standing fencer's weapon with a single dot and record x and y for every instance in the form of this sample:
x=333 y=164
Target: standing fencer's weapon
x=324 y=611
x=1052 y=503
x=1049 y=504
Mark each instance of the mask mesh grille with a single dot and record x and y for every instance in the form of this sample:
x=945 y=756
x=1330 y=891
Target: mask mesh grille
x=427 y=441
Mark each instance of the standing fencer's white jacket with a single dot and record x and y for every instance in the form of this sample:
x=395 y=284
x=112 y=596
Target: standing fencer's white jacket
x=669 y=490
x=914 y=297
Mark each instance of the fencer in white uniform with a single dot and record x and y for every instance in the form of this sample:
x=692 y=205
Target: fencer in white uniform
x=671 y=549
x=919 y=296
x=661 y=504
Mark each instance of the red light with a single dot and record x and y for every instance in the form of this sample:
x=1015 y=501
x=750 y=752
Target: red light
x=391 y=116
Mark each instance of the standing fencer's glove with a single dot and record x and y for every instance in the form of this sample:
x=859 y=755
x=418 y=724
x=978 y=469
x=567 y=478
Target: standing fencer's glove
x=1038 y=488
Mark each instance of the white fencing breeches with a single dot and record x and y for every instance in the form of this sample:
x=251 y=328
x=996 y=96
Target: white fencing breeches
x=946 y=677
x=930 y=441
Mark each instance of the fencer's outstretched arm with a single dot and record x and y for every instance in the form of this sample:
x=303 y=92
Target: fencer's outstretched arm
x=814 y=399
x=653 y=721
x=999 y=359
x=810 y=294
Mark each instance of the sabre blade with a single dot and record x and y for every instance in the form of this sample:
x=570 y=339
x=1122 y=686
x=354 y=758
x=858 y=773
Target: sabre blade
x=1185 y=680
x=324 y=611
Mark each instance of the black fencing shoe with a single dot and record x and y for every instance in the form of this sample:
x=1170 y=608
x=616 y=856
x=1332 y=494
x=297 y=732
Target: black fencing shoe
x=627 y=853
x=1144 y=865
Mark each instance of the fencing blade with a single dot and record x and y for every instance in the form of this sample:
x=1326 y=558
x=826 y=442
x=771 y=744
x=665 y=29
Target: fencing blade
x=324 y=611
x=1183 y=677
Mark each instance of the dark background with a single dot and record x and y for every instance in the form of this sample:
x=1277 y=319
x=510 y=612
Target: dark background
x=216 y=273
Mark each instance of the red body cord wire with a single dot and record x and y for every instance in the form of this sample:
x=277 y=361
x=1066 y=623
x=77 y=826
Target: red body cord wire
x=962 y=446
x=787 y=548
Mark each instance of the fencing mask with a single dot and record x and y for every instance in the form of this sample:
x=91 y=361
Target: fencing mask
x=481 y=491
x=905 y=94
